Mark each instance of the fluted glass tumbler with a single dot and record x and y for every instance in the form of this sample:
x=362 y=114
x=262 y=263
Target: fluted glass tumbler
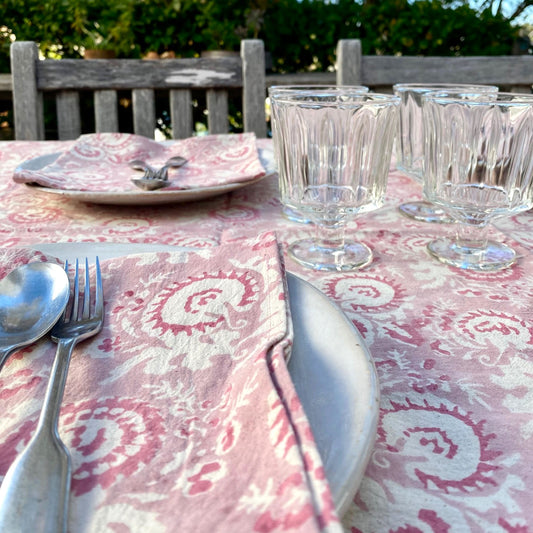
x=288 y=212
x=410 y=142
x=478 y=167
x=333 y=148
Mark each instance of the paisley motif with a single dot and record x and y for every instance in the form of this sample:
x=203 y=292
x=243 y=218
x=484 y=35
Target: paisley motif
x=452 y=349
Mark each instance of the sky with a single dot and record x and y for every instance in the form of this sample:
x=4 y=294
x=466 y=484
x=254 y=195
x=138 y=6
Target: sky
x=508 y=7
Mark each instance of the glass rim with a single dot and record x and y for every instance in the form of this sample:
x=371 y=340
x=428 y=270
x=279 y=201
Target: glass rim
x=325 y=98
x=318 y=87
x=498 y=98
x=442 y=86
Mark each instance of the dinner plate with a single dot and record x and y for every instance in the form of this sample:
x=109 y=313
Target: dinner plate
x=140 y=197
x=331 y=368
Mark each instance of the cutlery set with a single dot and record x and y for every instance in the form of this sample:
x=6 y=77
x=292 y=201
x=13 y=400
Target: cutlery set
x=35 y=491
x=155 y=179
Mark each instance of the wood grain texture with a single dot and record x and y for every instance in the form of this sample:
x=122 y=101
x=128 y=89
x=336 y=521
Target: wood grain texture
x=27 y=101
x=6 y=82
x=216 y=77
x=384 y=71
x=139 y=73
x=301 y=78
x=144 y=120
x=68 y=114
x=217 y=111
x=106 y=111
x=349 y=57
x=181 y=113
x=253 y=65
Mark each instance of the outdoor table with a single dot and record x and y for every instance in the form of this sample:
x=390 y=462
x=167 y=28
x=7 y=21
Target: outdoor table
x=453 y=348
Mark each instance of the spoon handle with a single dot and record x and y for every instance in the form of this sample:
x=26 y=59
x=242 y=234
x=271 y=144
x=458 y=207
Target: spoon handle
x=35 y=491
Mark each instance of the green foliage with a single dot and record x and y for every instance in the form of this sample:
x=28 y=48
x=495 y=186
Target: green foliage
x=432 y=28
x=299 y=34
x=64 y=27
x=304 y=34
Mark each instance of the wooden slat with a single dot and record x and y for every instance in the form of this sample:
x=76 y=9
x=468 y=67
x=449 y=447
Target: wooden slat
x=106 y=111
x=384 y=71
x=68 y=115
x=301 y=78
x=27 y=101
x=387 y=70
x=139 y=73
x=297 y=78
x=5 y=82
x=253 y=64
x=181 y=113
x=143 y=101
x=349 y=58
x=217 y=77
x=217 y=111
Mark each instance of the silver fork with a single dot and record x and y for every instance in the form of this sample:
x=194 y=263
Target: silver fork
x=35 y=491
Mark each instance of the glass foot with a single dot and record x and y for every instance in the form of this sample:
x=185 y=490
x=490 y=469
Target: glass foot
x=352 y=256
x=495 y=256
x=294 y=215
x=424 y=212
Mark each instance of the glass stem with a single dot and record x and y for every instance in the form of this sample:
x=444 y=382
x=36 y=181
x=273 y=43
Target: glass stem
x=472 y=239
x=330 y=236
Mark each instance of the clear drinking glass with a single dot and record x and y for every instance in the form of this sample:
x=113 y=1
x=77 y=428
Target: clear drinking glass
x=410 y=141
x=333 y=147
x=288 y=212
x=478 y=166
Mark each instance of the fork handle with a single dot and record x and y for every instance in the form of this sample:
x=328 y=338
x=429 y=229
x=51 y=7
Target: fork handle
x=35 y=491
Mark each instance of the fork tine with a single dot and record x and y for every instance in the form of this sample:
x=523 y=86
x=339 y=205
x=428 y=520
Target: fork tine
x=86 y=293
x=64 y=315
x=76 y=295
x=99 y=293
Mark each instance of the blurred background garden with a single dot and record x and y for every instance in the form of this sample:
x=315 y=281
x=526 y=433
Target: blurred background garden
x=299 y=35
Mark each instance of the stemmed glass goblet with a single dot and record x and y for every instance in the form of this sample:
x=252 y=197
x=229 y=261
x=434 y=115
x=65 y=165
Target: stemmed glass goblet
x=292 y=213
x=410 y=141
x=333 y=147
x=478 y=166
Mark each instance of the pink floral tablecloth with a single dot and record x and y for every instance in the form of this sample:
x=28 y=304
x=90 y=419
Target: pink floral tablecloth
x=453 y=349
x=181 y=410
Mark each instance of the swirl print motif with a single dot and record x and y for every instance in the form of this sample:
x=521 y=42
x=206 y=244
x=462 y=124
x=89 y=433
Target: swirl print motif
x=183 y=403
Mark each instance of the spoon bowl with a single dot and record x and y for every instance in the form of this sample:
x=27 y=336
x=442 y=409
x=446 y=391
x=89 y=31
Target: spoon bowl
x=174 y=162
x=32 y=298
x=139 y=164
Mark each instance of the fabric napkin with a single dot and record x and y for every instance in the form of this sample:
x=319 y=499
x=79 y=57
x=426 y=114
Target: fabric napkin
x=99 y=162
x=181 y=414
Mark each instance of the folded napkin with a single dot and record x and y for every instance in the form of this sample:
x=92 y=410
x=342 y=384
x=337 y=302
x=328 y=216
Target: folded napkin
x=181 y=414
x=99 y=162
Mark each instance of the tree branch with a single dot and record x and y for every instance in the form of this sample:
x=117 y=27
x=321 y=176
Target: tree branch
x=521 y=8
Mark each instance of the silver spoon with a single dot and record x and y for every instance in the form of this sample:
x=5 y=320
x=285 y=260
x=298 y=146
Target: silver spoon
x=139 y=164
x=32 y=298
x=174 y=162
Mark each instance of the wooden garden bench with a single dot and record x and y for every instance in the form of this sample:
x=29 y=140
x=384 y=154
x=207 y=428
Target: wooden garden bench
x=33 y=77
x=514 y=73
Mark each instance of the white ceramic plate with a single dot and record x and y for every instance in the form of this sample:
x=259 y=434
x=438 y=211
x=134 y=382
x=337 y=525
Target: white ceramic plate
x=330 y=366
x=140 y=197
